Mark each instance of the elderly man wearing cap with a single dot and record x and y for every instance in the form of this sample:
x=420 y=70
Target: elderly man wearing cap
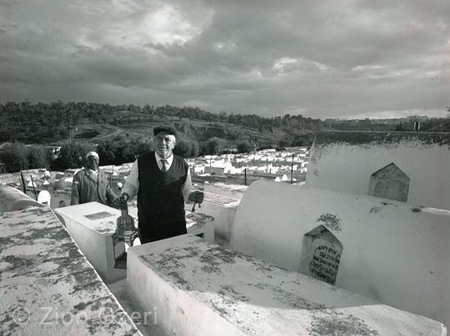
x=162 y=183
x=90 y=184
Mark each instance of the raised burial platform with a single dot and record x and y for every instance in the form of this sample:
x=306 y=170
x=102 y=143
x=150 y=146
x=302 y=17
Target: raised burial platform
x=46 y=285
x=92 y=224
x=223 y=209
x=199 y=288
x=235 y=191
x=389 y=251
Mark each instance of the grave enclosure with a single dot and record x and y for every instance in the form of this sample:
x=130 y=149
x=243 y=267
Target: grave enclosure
x=372 y=218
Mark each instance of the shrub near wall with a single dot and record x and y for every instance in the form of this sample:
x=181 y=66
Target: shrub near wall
x=17 y=156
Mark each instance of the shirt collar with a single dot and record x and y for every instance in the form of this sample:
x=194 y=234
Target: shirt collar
x=169 y=159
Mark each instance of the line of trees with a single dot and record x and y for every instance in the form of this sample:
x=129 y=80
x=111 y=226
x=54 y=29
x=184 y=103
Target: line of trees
x=17 y=156
x=43 y=123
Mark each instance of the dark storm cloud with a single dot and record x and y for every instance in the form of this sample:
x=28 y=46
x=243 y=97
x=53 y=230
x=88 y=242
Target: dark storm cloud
x=319 y=59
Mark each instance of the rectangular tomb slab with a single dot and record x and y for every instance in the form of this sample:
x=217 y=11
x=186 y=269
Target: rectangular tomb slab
x=200 y=288
x=223 y=209
x=91 y=225
x=47 y=287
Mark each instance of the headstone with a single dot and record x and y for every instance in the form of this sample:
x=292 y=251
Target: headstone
x=44 y=197
x=390 y=182
x=321 y=255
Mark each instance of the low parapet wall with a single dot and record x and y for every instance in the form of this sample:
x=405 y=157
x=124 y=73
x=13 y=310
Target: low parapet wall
x=12 y=199
x=47 y=287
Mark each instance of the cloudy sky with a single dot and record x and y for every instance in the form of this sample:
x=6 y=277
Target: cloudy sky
x=321 y=59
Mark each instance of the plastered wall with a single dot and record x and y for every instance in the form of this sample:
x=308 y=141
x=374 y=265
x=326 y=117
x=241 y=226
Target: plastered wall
x=345 y=161
x=393 y=252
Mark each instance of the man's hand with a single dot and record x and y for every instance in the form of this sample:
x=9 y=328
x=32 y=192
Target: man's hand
x=196 y=197
x=123 y=199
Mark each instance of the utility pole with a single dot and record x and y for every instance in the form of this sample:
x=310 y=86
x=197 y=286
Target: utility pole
x=292 y=169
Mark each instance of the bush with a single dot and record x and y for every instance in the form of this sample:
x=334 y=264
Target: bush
x=14 y=157
x=186 y=147
x=18 y=156
x=38 y=157
x=71 y=156
x=214 y=146
x=123 y=150
x=142 y=146
x=244 y=147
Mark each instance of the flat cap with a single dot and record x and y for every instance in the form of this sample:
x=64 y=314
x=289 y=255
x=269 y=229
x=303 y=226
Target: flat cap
x=166 y=129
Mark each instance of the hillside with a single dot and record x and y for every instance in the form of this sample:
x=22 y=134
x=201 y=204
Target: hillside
x=194 y=129
x=59 y=122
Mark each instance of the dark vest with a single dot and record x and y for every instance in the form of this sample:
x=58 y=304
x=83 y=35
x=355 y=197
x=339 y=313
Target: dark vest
x=160 y=197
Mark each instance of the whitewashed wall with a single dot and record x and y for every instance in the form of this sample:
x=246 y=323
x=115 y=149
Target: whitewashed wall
x=393 y=252
x=345 y=161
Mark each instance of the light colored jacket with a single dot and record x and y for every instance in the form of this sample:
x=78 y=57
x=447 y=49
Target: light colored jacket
x=86 y=187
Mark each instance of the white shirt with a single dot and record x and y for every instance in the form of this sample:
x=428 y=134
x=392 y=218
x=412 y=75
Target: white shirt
x=93 y=172
x=131 y=186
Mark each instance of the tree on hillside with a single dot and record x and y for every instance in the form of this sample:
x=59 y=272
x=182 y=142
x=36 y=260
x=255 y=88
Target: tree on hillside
x=38 y=157
x=125 y=152
x=107 y=152
x=214 y=146
x=142 y=145
x=14 y=157
x=244 y=147
x=303 y=140
x=186 y=147
x=71 y=156
x=283 y=143
x=122 y=150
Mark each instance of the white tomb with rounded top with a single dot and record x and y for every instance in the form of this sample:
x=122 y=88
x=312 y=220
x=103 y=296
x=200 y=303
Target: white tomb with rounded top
x=390 y=251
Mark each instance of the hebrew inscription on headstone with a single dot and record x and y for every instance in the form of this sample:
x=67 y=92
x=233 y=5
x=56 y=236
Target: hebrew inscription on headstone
x=321 y=255
x=325 y=263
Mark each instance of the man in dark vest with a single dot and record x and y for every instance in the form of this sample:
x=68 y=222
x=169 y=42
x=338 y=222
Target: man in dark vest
x=162 y=182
